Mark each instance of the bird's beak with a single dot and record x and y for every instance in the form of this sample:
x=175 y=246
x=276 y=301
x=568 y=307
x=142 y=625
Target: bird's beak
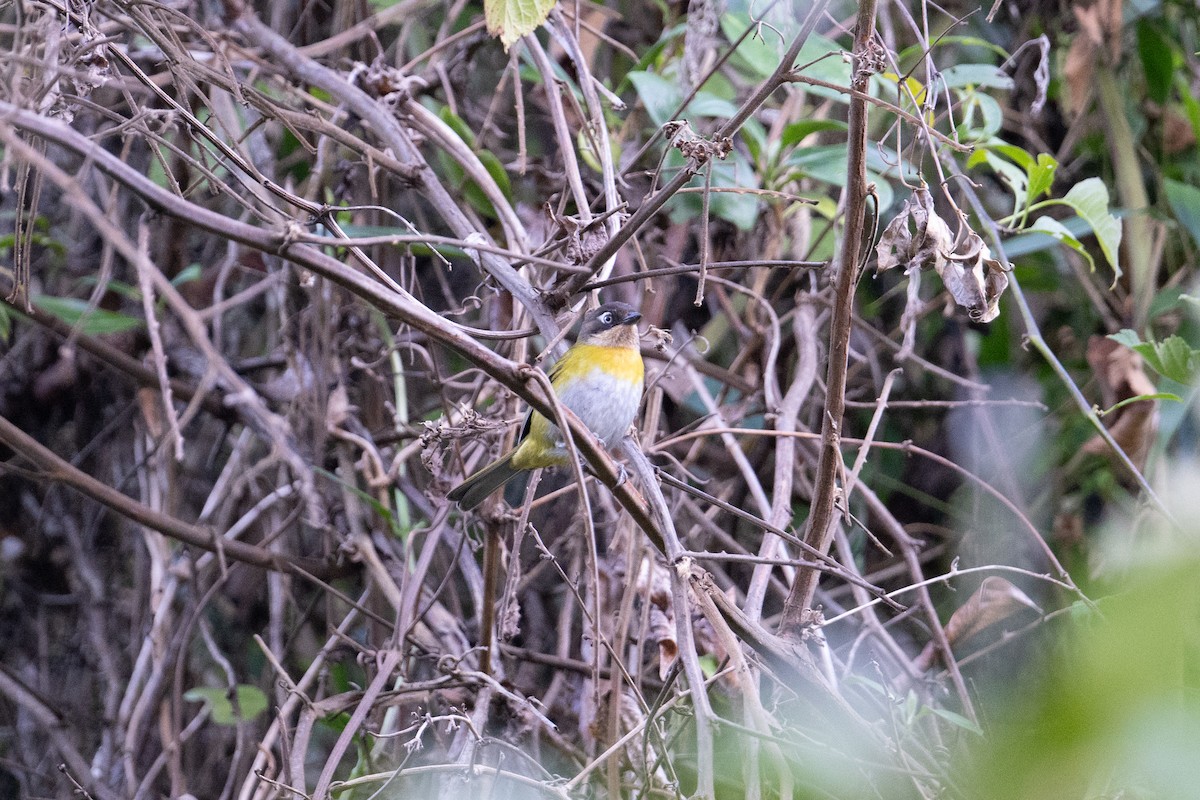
x=632 y=317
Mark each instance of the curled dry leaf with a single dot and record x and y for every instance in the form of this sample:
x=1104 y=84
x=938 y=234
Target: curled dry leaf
x=993 y=602
x=974 y=279
x=1121 y=376
x=918 y=238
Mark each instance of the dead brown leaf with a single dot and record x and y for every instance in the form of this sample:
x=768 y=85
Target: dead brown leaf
x=1121 y=376
x=995 y=601
x=918 y=238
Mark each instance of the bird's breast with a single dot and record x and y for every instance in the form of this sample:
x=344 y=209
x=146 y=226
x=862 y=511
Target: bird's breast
x=603 y=387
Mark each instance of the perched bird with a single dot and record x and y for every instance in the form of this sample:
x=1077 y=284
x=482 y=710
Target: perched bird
x=599 y=379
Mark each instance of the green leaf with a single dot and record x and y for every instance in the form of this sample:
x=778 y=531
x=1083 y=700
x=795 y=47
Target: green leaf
x=74 y=312
x=661 y=97
x=982 y=117
x=821 y=58
x=458 y=125
x=984 y=75
x=1089 y=198
x=1013 y=175
x=1041 y=175
x=1184 y=200
x=958 y=720
x=496 y=169
x=1172 y=358
x=1039 y=172
x=511 y=19
x=188 y=274
x=1158 y=60
x=1059 y=231
x=915 y=50
x=705 y=104
x=1127 y=337
x=741 y=209
x=828 y=163
x=825 y=162
x=760 y=51
x=796 y=131
x=1191 y=106
x=5 y=324
x=128 y=291
x=251 y=702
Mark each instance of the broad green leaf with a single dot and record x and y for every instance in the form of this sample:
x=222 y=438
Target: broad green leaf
x=120 y=288
x=511 y=19
x=1018 y=155
x=825 y=162
x=754 y=135
x=1089 y=198
x=251 y=702
x=75 y=313
x=1127 y=337
x=1041 y=175
x=982 y=117
x=1054 y=228
x=828 y=163
x=494 y=168
x=1039 y=171
x=969 y=41
x=1172 y=358
x=458 y=125
x=821 y=58
x=709 y=105
x=661 y=97
x=1191 y=106
x=761 y=51
x=986 y=75
x=739 y=208
x=1185 y=205
x=796 y=131
x=1014 y=176
x=5 y=324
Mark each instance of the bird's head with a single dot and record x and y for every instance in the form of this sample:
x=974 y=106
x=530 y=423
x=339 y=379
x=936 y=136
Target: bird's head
x=611 y=325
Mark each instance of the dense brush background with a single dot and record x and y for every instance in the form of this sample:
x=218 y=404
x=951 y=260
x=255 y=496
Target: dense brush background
x=270 y=271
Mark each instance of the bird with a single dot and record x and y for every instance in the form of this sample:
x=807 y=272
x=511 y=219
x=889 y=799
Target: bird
x=599 y=378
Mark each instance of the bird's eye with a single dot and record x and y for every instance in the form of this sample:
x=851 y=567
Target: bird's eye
x=606 y=318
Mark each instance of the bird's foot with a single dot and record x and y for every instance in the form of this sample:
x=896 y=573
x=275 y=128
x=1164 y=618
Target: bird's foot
x=622 y=476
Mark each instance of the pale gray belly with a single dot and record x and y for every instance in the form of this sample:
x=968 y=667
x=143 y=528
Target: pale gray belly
x=607 y=406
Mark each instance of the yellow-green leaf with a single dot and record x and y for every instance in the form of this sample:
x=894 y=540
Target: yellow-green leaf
x=251 y=702
x=512 y=19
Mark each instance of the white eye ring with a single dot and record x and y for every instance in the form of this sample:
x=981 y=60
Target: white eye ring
x=606 y=318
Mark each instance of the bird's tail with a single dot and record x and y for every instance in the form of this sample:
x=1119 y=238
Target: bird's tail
x=475 y=489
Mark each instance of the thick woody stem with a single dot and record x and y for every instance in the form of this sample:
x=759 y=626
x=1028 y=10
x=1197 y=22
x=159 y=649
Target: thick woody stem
x=826 y=489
